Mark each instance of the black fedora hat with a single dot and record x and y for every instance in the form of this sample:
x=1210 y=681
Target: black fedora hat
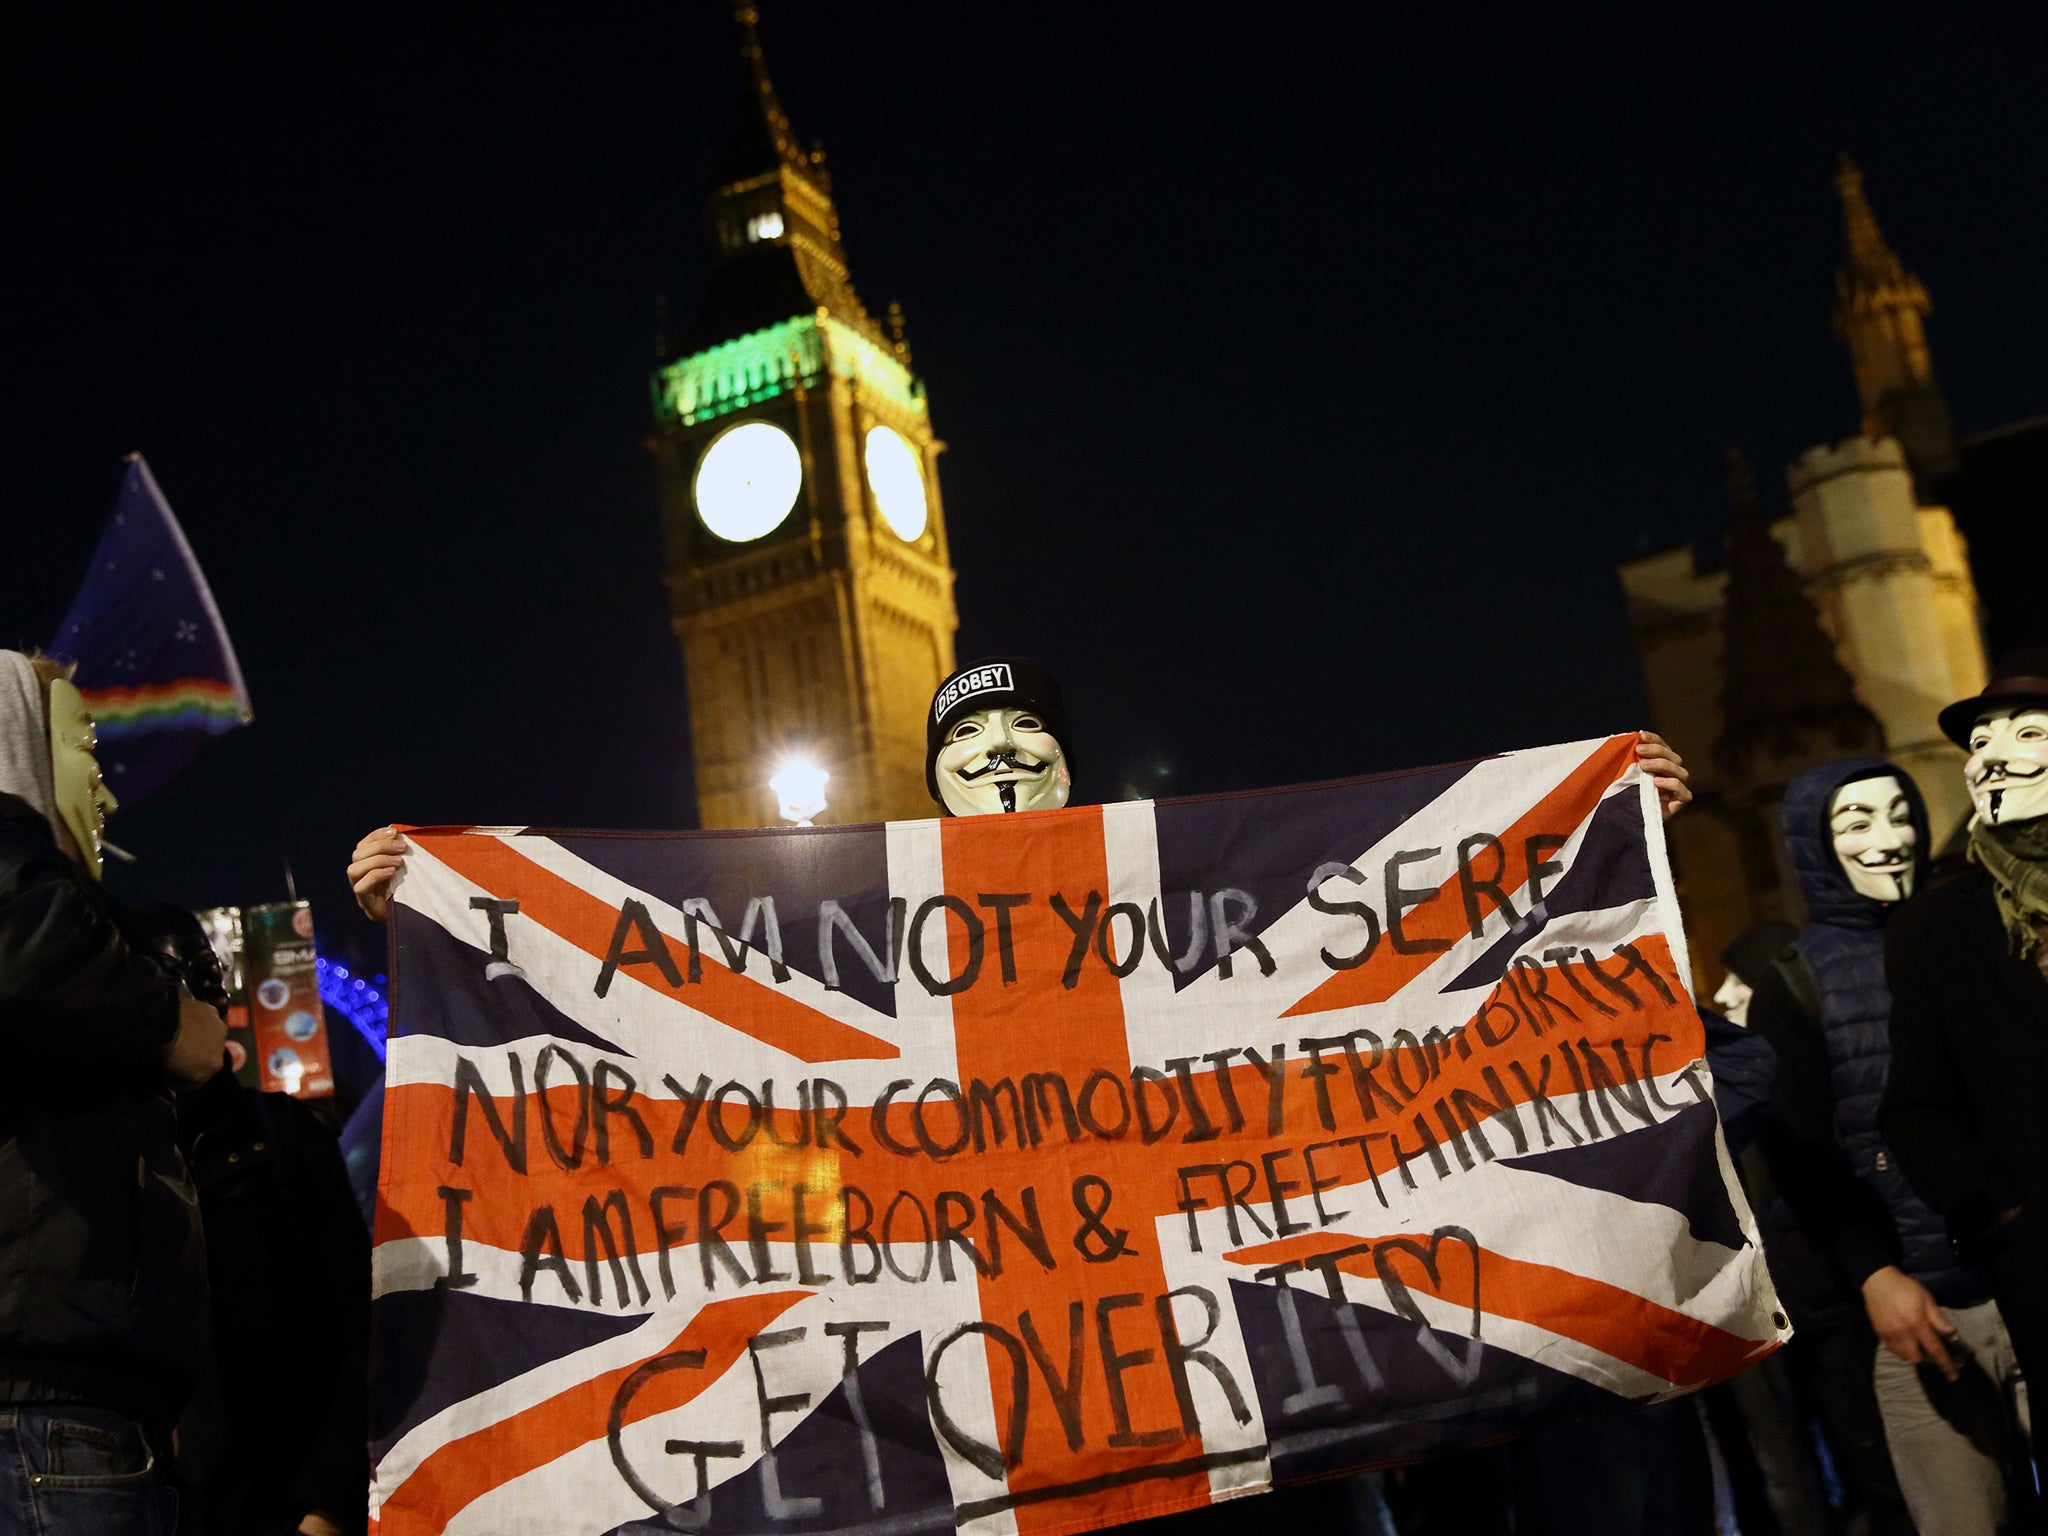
x=2021 y=677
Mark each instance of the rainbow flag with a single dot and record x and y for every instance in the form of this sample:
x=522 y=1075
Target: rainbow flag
x=154 y=661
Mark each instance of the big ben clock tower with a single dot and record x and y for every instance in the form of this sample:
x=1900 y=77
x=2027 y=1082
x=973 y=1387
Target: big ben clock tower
x=805 y=546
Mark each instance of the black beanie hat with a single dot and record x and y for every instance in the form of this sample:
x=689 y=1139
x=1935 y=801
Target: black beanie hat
x=1750 y=953
x=997 y=682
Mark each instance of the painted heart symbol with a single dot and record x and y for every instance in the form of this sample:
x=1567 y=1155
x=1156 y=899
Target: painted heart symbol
x=1464 y=1371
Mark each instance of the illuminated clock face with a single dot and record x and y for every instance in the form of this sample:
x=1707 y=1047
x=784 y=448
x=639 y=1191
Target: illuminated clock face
x=897 y=480
x=747 y=481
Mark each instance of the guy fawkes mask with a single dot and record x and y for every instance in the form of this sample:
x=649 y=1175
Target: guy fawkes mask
x=83 y=801
x=2008 y=767
x=998 y=760
x=1871 y=822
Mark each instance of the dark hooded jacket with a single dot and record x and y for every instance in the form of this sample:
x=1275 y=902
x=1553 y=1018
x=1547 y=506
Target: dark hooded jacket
x=102 y=1276
x=1827 y=1013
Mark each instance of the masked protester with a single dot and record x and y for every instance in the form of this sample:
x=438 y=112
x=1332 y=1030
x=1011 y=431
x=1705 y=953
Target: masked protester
x=1774 y=1481
x=103 y=1309
x=1749 y=954
x=274 y=1438
x=1857 y=835
x=997 y=741
x=1967 y=1106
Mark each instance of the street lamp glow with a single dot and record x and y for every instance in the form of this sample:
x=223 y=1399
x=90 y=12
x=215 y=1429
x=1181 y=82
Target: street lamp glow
x=799 y=786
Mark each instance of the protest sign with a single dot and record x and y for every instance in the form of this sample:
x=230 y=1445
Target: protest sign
x=1040 y=1172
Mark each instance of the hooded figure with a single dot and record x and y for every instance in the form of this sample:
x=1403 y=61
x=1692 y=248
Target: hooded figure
x=1841 y=952
x=1742 y=1061
x=102 y=1279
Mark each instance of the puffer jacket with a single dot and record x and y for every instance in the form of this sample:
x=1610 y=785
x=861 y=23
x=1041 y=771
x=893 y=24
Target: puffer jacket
x=1842 y=950
x=102 y=1272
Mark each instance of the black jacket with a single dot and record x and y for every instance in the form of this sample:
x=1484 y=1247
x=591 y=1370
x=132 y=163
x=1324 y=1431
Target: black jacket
x=1967 y=1108
x=282 y=1422
x=102 y=1276
x=1745 y=1071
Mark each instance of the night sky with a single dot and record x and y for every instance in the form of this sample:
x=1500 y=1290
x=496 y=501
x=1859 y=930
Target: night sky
x=1303 y=378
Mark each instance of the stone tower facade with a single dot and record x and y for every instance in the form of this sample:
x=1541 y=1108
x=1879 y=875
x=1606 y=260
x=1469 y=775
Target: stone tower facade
x=805 y=542
x=1891 y=579
x=1837 y=627
x=1787 y=703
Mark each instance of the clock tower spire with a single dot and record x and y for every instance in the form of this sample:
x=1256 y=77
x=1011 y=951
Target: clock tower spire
x=804 y=540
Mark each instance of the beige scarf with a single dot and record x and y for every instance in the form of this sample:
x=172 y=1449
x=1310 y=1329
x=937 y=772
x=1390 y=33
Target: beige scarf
x=2016 y=859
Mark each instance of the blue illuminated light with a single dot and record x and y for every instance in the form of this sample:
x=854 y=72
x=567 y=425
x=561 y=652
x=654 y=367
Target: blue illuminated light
x=361 y=1003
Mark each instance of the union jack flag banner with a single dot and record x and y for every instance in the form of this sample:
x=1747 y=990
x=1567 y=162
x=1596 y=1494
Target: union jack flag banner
x=1041 y=1172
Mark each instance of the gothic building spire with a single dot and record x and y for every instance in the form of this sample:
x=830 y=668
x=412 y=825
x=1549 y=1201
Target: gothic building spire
x=1880 y=308
x=772 y=219
x=762 y=137
x=1871 y=264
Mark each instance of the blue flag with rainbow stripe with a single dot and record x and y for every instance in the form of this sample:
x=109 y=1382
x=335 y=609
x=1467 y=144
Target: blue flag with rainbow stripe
x=155 y=664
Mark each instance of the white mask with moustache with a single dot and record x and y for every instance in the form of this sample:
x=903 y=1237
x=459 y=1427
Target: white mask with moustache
x=1871 y=822
x=997 y=760
x=2008 y=767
